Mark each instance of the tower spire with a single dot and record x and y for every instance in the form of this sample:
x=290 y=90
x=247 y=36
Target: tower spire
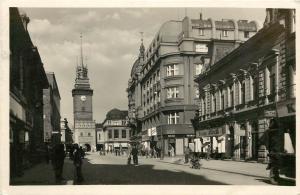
x=142 y=48
x=81 y=55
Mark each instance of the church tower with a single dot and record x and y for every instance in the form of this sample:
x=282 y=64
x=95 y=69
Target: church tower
x=84 y=125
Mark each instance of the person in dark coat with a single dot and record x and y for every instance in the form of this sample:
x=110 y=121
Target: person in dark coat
x=186 y=154
x=134 y=153
x=58 y=161
x=77 y=160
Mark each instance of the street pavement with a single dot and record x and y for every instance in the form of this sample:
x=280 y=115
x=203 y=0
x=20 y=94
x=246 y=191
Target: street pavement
x=110 y=169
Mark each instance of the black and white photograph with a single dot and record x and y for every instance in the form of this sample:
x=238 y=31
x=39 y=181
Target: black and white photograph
x=151 y=96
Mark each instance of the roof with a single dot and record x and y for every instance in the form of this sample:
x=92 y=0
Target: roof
x=116 y=114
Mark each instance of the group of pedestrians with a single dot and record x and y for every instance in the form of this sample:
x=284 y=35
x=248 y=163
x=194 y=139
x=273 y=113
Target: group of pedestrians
x=134 y=153
x=57 y=155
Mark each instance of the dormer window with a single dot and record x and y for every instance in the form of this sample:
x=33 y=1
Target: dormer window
x=225 y=33
x=246 y=34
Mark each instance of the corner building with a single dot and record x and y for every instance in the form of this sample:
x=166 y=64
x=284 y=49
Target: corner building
x=251 y=92
x=162 y=94
x=84 y=125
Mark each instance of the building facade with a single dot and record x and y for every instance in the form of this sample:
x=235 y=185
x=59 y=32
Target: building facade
x=101 y=137
x=27 y=80
x=84 y=125
x=162 y=94
x=51 y=109
x=66 y=133
x=251 y=91
x=116 y=133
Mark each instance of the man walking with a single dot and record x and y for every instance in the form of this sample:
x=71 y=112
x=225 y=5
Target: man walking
x=78 y=163
x=134 y=153
x=58 y=162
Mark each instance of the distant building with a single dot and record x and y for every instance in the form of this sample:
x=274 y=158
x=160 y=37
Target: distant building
x=51 y=107
x=66 y=132
x=27 y=80
x=116 y=133
x=162 y=94
x=84 y=124
x=251 y=91
x=101 y=137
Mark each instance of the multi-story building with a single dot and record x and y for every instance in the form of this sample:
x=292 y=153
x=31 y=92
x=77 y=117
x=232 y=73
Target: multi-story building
x=84 y=125
x=162 y=94
x=27 y=80
x=51 y=107
x=251 y=91
x=116 y=133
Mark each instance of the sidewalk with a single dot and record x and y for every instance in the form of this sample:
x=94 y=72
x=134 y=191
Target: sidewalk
x=238 y=167
x=43 y=174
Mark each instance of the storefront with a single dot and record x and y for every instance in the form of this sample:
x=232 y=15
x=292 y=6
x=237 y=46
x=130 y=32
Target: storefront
x=213 y=139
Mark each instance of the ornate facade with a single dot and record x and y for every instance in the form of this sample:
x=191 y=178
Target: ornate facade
x=250 y=91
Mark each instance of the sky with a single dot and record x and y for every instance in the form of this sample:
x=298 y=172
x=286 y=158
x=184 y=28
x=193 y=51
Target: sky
x=111 y=40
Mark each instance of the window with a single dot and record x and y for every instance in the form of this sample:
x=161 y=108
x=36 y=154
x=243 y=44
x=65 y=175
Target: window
x=201 y=32
x=172 y=70
x=81 y=134
x=109 y=134
x=198 y=68
x=222 y=101
x=173 y=118
x=215 y=103
x=124 y=133
x=116 y=133
x=225 y=33
x=89 y=134
x=172 y=92
x=99 y=136
x=83 y=108
x=246 y=34
x=272 y=84
x=157 y=74
x=231 y=95
x=254 y=89
x=243 y=93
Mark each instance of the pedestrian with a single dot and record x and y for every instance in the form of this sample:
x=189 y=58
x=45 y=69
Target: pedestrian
x=82 y=153
x=58 y=162
x=186 y=154
x=208 y=152
x=77 y=161
x=47 y=155
x=134 y=153
x=172 y=151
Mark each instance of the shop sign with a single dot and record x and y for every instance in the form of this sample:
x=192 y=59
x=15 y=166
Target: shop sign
x=210 y=132
x=202 y=48
x=171 y=135
x=190 y=135
x=153 y=131
x=270 y=113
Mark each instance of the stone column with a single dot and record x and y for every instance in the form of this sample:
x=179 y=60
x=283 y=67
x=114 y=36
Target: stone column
x=267 y=84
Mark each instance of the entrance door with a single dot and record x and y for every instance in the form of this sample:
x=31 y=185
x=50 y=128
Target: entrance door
x=243 y=140
x=88 y=147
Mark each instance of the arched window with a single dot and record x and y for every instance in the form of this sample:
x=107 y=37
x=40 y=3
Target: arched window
x=243 y=92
